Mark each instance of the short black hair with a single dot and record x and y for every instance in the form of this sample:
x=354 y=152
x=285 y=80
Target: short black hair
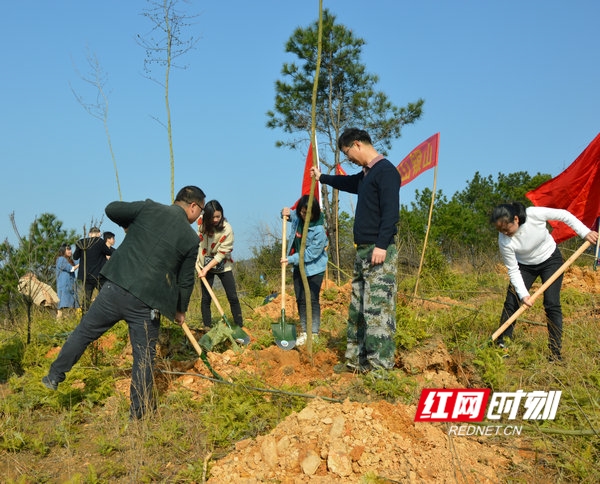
x=507 y=212
x=190 y=194
x=315 y=209
x=108 y=235
x=353 y=134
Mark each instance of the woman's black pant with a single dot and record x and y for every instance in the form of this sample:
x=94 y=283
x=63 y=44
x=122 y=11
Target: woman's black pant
x=551 y=299
x=228 y=282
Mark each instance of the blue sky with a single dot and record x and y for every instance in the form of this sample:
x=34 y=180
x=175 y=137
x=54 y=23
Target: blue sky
x=510 y=85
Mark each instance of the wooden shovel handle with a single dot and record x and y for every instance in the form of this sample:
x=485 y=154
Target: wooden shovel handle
x=283 y=255
x=188 y=333
x=541 y=290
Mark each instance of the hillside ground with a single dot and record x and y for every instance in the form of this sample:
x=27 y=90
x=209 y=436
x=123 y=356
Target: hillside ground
x=327 y=427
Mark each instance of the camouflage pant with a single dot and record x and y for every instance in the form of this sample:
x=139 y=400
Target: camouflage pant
x=372 y=312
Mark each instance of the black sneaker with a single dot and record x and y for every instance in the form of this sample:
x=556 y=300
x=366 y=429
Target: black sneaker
x=49 y=384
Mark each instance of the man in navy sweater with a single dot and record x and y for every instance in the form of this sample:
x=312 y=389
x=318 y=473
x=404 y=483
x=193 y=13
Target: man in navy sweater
x=372 y=312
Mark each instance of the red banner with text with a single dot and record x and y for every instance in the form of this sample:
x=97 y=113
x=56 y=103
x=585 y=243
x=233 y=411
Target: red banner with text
x=422 y=158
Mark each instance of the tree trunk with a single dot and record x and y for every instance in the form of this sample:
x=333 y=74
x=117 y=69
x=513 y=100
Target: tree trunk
x=331 y=210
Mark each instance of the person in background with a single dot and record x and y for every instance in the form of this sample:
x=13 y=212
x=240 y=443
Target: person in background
x=66 y=287
x=214 y=258
x=529 y=251
x=109 y=240
x=91 y=252
x=315 y=261
x=40 y=293
x=152 y=273
x=372 y=313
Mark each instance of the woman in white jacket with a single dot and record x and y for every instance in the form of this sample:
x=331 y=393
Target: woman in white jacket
x=528 y=251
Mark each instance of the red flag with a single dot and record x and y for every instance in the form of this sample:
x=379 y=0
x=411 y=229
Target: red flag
x=307 y=179
x=339 y=170
x=577 y=189
x=422 y=158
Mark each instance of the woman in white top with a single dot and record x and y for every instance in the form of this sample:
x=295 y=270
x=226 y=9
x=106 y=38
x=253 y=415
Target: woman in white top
x=528 y=251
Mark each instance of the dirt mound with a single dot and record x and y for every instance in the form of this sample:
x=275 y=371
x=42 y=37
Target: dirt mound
x=333 y=297
x=341 y=442
x=272 y=365
x=431 y=365
x=584 y=279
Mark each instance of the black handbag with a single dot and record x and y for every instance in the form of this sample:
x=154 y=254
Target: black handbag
x=220 y=267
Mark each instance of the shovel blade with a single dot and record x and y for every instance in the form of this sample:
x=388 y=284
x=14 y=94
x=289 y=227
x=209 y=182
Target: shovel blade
x=284 y=335
x=286 y=344
x=240 y=336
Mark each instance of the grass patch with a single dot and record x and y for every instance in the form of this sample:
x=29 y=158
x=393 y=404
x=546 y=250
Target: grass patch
x=231 y=413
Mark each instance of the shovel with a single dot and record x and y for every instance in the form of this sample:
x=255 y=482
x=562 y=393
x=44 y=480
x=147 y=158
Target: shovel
x=541 y=290
x=284 y=335
x=237 y=333
x=201 y=353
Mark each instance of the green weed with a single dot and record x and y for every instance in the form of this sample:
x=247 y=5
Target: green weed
x=390 y=386
x=12 y=441
x=330 y=294
x=107 y=446
x=491 y=367
x=409 y=329
x=233 y=413
x=193 y=472
x=11 y=355
x=373 y=478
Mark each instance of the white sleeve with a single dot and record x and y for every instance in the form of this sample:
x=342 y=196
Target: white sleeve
x=568 y=218
x=510 y=261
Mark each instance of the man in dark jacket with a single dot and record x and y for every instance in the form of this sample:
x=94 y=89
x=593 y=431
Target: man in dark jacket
x=91 y=252
x=151 y=274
